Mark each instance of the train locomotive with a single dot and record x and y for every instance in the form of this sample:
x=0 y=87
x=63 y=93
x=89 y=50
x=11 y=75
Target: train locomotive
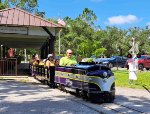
x=92 y=81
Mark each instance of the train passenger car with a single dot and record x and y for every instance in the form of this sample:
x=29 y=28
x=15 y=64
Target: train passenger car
x=96 y=82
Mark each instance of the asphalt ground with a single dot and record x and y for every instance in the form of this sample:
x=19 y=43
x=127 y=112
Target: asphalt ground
x=32 y=97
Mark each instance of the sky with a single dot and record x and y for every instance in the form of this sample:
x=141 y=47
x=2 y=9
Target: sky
x=123 y=14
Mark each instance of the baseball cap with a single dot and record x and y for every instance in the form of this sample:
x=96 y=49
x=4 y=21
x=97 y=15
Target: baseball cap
x=50 y=55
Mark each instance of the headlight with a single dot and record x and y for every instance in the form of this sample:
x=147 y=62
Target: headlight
x=105 y=74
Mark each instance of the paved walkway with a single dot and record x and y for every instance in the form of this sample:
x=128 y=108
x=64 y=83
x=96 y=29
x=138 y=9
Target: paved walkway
x=35 y=98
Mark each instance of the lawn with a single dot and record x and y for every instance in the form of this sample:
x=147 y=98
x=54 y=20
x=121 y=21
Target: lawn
x=142 y=82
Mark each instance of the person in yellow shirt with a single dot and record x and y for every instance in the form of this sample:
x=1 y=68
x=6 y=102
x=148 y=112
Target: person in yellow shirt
x=68 y=60
x=50 y=61
x=41 y=62
x=33 y=62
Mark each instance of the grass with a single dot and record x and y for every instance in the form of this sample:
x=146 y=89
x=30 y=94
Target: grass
x=142 y=82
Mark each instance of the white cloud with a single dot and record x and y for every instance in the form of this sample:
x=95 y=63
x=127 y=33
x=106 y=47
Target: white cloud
x=96 y=0
x=148 y=24
x=119 y=20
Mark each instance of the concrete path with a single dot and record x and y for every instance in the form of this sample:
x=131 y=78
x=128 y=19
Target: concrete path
x=35 y=98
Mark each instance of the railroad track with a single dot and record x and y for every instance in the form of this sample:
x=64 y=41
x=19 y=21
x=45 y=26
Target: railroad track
x=109 y=108
x=123 y=109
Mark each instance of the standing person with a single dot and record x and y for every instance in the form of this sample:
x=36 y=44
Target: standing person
x=50 y=61
x=11 y=52
x=50 y=69
x=68 y=60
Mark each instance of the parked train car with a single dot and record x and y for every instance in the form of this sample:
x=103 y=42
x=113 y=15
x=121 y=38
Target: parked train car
x=95 y=82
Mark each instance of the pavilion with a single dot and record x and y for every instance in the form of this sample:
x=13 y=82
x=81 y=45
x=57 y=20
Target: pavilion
x=21 y=29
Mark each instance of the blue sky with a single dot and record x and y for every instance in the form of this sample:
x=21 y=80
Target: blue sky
x=121 y=13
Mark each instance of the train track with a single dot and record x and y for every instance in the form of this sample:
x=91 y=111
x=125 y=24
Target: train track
x=123 y=109
x=109 y=108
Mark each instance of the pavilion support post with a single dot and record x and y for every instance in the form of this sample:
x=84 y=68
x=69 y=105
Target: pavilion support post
x=42 y=53
x=46 y=50
x=3 y=51
x=51 y=41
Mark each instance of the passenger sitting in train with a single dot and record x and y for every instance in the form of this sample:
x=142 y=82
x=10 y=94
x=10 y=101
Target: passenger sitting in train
x=49 y=61
x=42 y=61
x=56 y=62
x=34 y=61
x=68 y=60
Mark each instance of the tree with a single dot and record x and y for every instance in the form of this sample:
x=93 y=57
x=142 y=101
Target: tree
x=3 y=4
x=88 y=16
x=28 y=5
x=79 y=33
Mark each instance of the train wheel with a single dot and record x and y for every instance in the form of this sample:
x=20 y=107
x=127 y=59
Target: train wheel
x=110 y=99
x=62 y=88
x=78 y=93
x=141 y=67
x=59 y=86
x=45 y=82
x=52 y=85
x=84 y=95
x=147 y=68
x=91 y=98
x=55 y=85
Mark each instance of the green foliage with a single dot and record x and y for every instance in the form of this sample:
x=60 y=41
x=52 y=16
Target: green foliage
x=86 y=40
x=39 y=13
x=88 y=16
x=4 y=4
x=99 y=51
x=79 y=34
x=122 y=79
x=89 y=60
x=28 y=5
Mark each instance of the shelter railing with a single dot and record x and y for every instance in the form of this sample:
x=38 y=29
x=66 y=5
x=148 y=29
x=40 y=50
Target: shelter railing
x=8 y=67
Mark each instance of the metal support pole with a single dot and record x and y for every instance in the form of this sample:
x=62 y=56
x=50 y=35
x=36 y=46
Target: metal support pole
x=25 y=55
x=59 y=41
x=1 y=51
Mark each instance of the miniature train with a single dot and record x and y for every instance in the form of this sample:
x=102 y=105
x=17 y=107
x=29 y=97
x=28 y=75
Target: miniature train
x=92 y=81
